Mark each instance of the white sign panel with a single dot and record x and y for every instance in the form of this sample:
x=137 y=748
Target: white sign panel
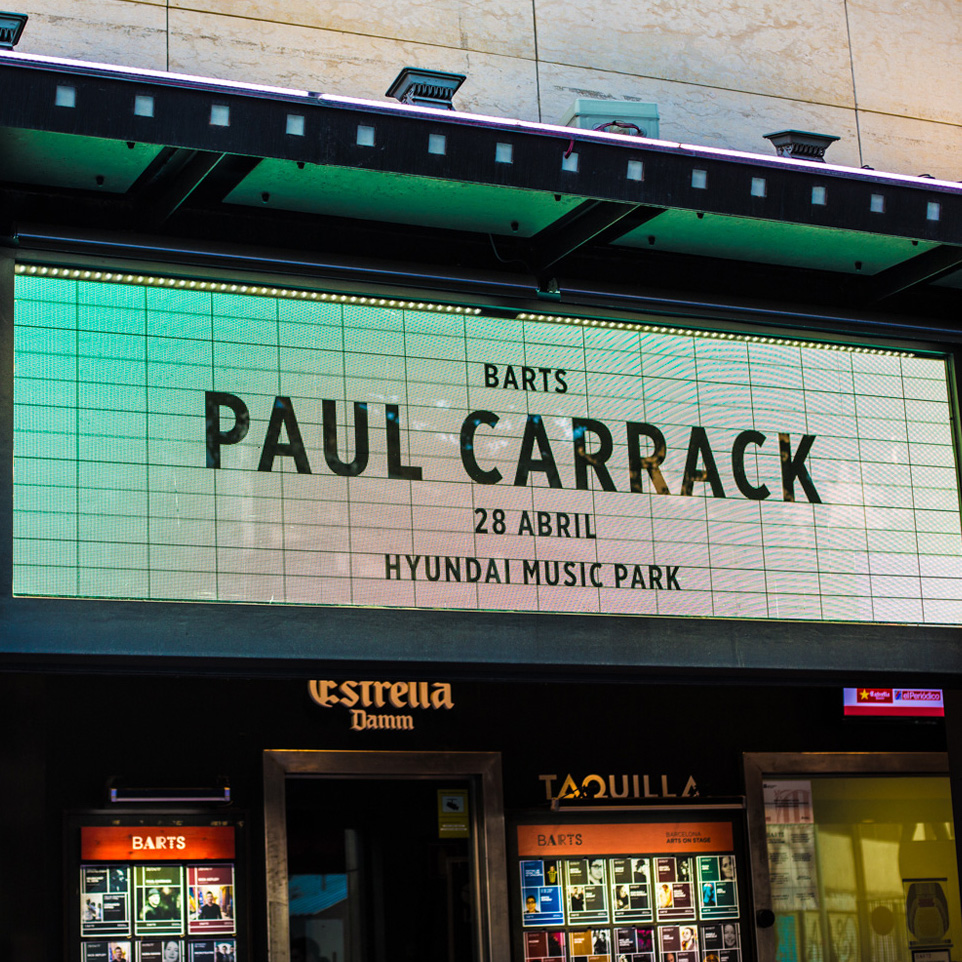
x=197 y=444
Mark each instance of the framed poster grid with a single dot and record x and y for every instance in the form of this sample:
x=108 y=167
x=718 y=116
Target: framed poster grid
x=155 y=886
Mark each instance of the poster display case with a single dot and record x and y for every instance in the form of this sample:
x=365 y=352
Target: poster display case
x=654 y=884
x=154 y=887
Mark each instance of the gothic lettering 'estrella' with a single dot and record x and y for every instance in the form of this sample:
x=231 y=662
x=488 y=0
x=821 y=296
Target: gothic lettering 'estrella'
x=380 y=694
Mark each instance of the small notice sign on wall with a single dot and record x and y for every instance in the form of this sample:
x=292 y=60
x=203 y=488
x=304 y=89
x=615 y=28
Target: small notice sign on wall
x=453 y=813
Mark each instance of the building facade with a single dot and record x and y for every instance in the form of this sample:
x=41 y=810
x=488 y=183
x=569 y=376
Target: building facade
x=449 y=533
x=878 y=75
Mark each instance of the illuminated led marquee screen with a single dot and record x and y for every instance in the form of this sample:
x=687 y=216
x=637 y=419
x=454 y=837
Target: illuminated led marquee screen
x=182 y=441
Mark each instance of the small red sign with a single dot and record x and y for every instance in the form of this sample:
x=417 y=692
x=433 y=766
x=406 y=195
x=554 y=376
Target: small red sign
x=907 y=702
x=153 y=843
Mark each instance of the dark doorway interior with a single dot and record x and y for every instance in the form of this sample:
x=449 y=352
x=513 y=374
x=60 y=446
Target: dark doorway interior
x=370 y=880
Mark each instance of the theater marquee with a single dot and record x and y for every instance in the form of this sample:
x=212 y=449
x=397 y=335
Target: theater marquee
x=224 y=442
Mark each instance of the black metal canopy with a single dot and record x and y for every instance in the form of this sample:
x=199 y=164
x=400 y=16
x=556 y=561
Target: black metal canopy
x=139 y=164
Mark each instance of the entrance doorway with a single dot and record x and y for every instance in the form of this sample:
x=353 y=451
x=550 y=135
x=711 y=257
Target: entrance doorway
x=385 y=857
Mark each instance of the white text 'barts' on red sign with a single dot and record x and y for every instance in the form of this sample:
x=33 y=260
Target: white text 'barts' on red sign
x=156 y=842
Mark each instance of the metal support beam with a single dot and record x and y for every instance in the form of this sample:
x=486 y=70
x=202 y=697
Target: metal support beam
x=586 y=223
x=177 y=175
x=922 y=269
x=640 y=215
x=169 y=181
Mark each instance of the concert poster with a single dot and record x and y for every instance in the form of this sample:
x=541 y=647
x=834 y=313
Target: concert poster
x=159 y=891
x=541 y=893
x=678 y=943
x=630 y=890
x=720 y=942
x=635 y=944
x=106 y=952
x=674 y=889
x=717 y=888
x=210 y=899
x=212 y=950
x=104 y=900
x=544 y=946
x=160 y=950
x=586 y=890
x=593 y=945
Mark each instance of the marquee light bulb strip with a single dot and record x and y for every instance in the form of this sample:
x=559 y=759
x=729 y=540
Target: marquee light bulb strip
x=257 y=290
x=713 y=335
x=220 y=287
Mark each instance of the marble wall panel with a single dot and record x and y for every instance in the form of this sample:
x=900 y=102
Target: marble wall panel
x=111 y=31
x=491 y=26
x=692 y=114
x=722 y=74
x=908 y=146
x=796 y=49
x=343 y=64
x=907 y=57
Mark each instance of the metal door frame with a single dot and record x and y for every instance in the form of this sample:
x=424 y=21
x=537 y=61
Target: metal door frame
x=488 y=842
x=761 y=765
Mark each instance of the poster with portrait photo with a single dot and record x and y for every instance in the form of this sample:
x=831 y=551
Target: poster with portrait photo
x=542 y=946
x=160 y=950
x=210 y=899
x=674 y=888
x=721 y=942
x=106 y=951
x=586 y=890
x=212 y=950
x=159 y=895
x=541 y=902
x=717 y=888
x=630 y=890
x=104 y=900
x=680 y=942
x=635 y=944
x=593 y=945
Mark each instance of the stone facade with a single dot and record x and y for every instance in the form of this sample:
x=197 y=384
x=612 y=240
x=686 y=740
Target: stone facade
x=884 y=75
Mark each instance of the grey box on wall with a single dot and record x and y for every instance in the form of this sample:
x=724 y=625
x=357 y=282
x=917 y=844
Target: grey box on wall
x=614 y=116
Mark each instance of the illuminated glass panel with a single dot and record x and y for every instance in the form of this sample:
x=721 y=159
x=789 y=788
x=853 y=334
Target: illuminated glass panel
x=863 y=868
x=470 y=462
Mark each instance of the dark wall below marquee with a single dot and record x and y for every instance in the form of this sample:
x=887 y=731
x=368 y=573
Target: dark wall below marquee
x=67 y=734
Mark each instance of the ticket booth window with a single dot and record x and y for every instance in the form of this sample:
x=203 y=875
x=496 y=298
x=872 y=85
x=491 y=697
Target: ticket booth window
x=857 y=867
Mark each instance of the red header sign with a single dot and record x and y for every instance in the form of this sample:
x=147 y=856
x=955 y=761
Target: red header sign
x=919 y=702
x=535 y=841
x=152 y=843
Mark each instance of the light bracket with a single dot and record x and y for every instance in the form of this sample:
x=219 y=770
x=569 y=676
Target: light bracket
x=426 y=88
x=11 y=29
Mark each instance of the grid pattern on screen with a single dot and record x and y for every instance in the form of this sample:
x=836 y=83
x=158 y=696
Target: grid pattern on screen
x=114 y=498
